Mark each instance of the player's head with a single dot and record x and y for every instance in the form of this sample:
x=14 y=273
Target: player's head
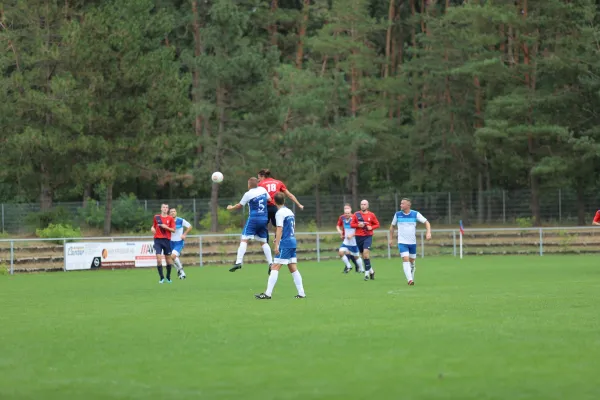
x=264 y=174
x=173 y=212
x=164 y=208
x=405 y=204
x=252 y=183
x=347 y=209
x=279 y=199
x=364 y=205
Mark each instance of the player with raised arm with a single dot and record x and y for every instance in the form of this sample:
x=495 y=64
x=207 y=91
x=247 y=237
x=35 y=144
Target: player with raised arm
x=406 y=221
x=163 y=226
x=348 y=250
x=256 y=226
x=178 y=241
x=365 y=222
x=273 y=186
x=285 y=250
x=596 y=220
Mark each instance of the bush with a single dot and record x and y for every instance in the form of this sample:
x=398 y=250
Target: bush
x=92 y=214
x=129 y=215
x=58 y=231
x=524 y=222
x=228 y=221
x=42 y=219
x=4 y=269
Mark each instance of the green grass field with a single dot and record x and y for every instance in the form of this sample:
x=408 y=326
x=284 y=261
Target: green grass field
x=480 y=328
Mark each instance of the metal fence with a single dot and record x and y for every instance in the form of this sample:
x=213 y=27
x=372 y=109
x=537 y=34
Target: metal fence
x=220 y=249
x=557 y=206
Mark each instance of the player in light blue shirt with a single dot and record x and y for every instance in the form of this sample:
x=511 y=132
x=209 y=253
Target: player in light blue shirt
x=256 y=226
x=285 y=249
x=178 y=241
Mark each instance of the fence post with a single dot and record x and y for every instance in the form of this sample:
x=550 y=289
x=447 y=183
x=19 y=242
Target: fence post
x=12 y=257
x=145 y=205
x=65 y=255
x=396 y=200
x=541 y=242
x=449 y=208
x=454 y=243
x=2 y=217
x=389 y=239
x=422 y=244
x=318 y=249
x=200 y=249
x=504 y=206
x=559 y=205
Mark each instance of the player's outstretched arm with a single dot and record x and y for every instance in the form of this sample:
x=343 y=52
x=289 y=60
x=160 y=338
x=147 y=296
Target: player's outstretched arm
x=293 y=198
x=236 y=207
x=428 y=233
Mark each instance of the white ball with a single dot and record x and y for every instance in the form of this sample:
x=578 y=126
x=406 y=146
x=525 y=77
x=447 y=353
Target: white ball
x=217 y=177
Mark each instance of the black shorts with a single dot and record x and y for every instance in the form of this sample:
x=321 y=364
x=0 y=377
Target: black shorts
x=272 y=210
x=162 y=246
x=364 y=242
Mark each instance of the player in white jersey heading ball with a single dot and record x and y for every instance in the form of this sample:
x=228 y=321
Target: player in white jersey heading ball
x=285 y=249
x=406 y=222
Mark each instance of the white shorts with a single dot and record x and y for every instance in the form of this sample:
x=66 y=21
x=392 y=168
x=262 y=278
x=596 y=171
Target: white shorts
x=350 y=249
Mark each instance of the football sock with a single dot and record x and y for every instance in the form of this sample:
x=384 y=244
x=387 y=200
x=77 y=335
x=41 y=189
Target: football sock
x=367 y=266
x=178 y=264
x=412 y=269
x=160 y=271
x=298 y=282
x=267 y=250
x=346 y=262
x=353 y=259
x=361 y=267
x=169 y=267
x=241 y=252
x=271 y=282
x=407 y=273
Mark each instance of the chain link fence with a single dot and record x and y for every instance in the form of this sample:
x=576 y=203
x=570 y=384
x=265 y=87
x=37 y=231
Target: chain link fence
x=560 y=206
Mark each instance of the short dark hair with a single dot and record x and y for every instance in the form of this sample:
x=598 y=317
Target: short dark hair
x=279 y=198
x=172 y=208
x=265 y=172
x=347 y=205
x=253 y=182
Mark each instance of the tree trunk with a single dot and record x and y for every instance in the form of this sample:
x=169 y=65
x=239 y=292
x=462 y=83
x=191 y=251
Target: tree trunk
x=388 y=43
x=464 y=208
x=318 y=206
x=108 y=209
x=45 y=190
x=480 y=202
x=214 y=193
x=302 y=34
x=488 y=188
x=273 y=26
x=87 y=194
x=581 y=203
x=197 y=92
x=354 y=180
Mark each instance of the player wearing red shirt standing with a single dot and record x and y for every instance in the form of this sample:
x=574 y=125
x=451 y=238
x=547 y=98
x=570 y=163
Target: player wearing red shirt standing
x=596 y=218
x=162 y=226
x=365 y=222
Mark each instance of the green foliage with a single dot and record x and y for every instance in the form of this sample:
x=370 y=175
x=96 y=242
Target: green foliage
x=129 y=214
x=92 y=214
x=43 y=219
x=524 y=222
x=230 y=222
x=58 y=231
x=4 y=269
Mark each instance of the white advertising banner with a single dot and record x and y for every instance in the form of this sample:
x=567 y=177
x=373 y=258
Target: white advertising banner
x=96 y=255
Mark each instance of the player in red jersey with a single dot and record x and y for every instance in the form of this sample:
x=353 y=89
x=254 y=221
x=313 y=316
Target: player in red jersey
x=596 y=218
x=274 y=186
x=365 y=222
x=162 y=226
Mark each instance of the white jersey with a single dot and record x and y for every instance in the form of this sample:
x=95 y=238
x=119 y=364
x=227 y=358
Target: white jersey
x=180 y=223
x=287 y=222
x=407 y=226
x=344 y=222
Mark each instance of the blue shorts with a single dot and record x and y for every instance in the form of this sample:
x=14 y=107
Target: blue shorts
x=285 y=257
x=177 y=247
x=407 y=250
x=256 y=229
x=162 y=246
x=350 y=249
x=364 y=243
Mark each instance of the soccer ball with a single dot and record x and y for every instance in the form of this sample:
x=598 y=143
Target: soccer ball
x=217 y=177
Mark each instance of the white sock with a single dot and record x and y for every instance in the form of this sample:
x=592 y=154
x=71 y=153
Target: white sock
x=178 y=265
x=407 y=273
x=298 y=282
x=267 y=250
x=412 y=269
x=241 y=252
x=271 y=282
x=346 y=261
x=361 y=266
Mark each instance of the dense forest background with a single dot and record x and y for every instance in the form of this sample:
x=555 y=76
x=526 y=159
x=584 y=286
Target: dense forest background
x=150 y=97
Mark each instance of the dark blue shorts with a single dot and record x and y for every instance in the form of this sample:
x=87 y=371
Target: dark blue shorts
x=364 y=242
x=162 y=246
x=272 y=210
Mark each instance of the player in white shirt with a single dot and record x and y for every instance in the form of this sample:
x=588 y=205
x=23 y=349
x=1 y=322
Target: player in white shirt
x=406 y=221
x=349 y=249
x=285 y=249
x=178 y=240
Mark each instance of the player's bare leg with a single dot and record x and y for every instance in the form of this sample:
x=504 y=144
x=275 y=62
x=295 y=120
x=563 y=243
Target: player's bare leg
x=369 y=271
x=178 y=265
x=240 y=255
x=271 y=282
x=297 y=280
x=412 y=269
x=406 y=265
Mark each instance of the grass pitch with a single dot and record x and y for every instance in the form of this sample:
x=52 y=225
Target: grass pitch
x=480 y=328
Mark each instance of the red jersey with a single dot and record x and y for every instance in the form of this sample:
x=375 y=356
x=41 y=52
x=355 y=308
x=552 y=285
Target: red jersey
x=369 y=219
x=597 y=217
x=161 y=233
x=272 y=186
